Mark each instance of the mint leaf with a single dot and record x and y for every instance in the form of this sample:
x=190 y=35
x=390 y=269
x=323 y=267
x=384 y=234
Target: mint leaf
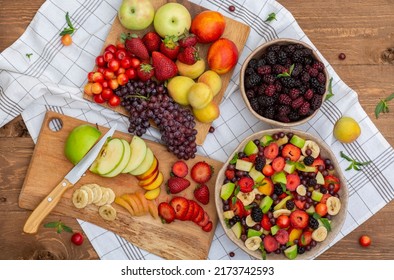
x=28 y=55
x=68 y=30
x=353 y=163
x=234 y=159
x=286 y=74
x=329 y=94
x=326 y=223
x=59 y=226
x=382 y=106
x=271 y=17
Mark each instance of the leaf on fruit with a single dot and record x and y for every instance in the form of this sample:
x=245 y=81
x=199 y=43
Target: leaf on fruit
x=329 y=94
x=70 y=29
x=286 y=74
x=234 y=159
x=353 y=163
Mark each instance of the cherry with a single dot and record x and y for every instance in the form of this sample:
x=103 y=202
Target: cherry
x=342 y=56
x=77 y=238
x=365 y=240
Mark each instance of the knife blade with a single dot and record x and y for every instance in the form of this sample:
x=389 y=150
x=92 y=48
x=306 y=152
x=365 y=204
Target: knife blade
x=72 y=177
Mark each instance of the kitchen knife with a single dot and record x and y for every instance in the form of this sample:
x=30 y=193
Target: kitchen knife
x=53 y=198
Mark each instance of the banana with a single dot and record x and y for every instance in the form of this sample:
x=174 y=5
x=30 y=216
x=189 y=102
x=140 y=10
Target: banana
x=253 y=243
x=319 y=234
x=301 y=190
x=249 y=221
x=104 y=197
x=111 y=197
x=333 y=205
x=89 y=191
x=313 y=146
x=281 y=212
x=80 y=198
x=246 y=198
x=107 y=212
x=97 y=192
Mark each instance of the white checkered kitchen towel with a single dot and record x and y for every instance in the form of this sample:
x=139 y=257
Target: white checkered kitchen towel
x=53 y=78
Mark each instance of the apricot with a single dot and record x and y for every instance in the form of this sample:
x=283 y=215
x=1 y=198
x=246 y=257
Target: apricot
x=346 y=130
x=208 y=113
x=222 y=56
x=213 y=80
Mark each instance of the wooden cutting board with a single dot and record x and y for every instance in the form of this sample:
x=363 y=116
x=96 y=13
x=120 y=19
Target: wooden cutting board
x=178 y=240
x=235 y=31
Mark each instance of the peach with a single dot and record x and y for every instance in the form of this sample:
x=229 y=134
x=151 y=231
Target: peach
x=222 y=56
x=192 y=71
x=208 y=113
x=199 y=95
x=212 y=79
x=208 y=26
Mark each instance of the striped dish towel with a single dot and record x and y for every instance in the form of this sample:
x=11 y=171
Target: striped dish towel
x=53 y=78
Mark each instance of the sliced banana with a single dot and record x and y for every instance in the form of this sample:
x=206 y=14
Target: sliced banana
x=89 y=191
x=97 y=193
x=80 y=198
x=281 y=212
x=111 y=197
x=301 y=190
x=249 y=221
x=319 y=234
x=313 y=146
x=246 y=198
x=107 y=212
x=253 y=243
x=333 y=205
x=104 y=197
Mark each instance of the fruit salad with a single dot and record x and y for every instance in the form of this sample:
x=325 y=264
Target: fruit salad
x=280 y=194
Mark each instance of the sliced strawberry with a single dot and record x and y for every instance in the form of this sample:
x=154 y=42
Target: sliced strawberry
x=181 y=206
x=201 y=194
x=282 y=236
x=177 y=184
x=190 y=211
x=230 y=174
x=324 y=198
x=291 y=152
x=166 y=212
x=201 y=172
x=238 y=208
x=268 y=170
x=246 y=184
x=207 y=227
x=331 y=179
x=200 y=215
x=299 y=219
x=318 y=161
x=180 y=168
x=270 y=243
x=305 y=238
x=252 y=158
x=196 y=209
x=204 y=220
x=278 y=164
x=265 y=222
x=293 y=181
x=300 y=204
x=271 y=151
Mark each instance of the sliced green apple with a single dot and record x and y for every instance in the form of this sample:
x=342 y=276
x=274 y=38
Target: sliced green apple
x=316 y=195
x=279 y=177
x=297 y=141
x=145 y=164
x=253 y=232
x=256 y=175
x=290 y=167
x=227 y=190
x=291 y=252
x=109 y=157
x=282 y=203
x=237 y=229
x=266 y=204
x=122 y=164
x=138 y=151
x=319 y=178
x=266 y=140
x=251 y=148
x=243 y=165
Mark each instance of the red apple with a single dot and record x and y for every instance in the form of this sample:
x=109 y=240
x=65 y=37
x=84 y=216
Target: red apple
x=208 y=26
x=222 y=56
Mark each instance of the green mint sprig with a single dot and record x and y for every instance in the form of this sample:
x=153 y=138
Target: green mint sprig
x=59 y=226
x=382 y=106
x=353 y=164
x=28 y=55
x=271 y=17
x=286 y=74
x=329 y=94
x=70 y=29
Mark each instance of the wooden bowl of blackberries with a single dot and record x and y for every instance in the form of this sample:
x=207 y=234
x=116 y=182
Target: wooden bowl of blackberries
x=284 y=82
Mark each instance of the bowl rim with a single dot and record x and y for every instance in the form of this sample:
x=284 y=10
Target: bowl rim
x=337 y=222
x=261 y=48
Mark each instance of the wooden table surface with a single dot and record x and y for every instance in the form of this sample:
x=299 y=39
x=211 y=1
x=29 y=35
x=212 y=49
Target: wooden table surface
x=363 y=30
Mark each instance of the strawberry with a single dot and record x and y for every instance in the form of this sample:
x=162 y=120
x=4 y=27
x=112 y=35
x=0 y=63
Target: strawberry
x=187 y=39
x=230 y=174
x=165 y=68
x=189 y=55
x=278 y=164
x=271 y=151
x=136 y=46
x=201 y=172
x=204 y=220
x=169 y=47
x=145 y=72
x=299 y=219
x=190 y=211
x=207 y=227
x=246 y=184
x=292 y=182
x=152 y=41
x=201 y=193
x=177 y=184
x=181 y=206
x=270 y=243
x=291 y=152
x=180 y=168
x=166 y=212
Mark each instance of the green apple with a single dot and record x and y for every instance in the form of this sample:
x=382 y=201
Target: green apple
x=227 y=190
x=136 y=14
x=256 y=175
x=80 y=140
x=237 y=229
x=123 y=162
x=253 y=232
x=291 y=252
x=138 y=151
x=282 y=203
x=279 y=177
x=316 y=195
x=109 y=157
x=266 y=140
x=319 y=178
x=297 y=141
x=243 y=165
x=250 y=148
x=290 y=167
x=266 y=204
x=172 y=19
x=145 y=164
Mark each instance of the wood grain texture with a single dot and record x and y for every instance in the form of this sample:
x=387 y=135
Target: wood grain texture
x=361 y=29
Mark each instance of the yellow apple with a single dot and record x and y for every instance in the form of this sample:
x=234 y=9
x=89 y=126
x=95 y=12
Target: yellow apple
x=178 y=88
x=208 y=113
x=212 y=79
x=199 y=95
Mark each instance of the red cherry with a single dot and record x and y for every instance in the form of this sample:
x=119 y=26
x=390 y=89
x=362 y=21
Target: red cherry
x=77 y=238
x=120 y=54
x=114 y=101
x=113 y=64
x=100 y=61
x=107 y=93
x=98 y=98
x=108 y=56
x=365 y=240
x=111 y=48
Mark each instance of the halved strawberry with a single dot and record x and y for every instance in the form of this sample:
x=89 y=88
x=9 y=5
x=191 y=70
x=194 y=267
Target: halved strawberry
x=265 y=222
x=300 y=204
x=318 y=161
x=278 y=164
x=181 y=206
x=282 y=236
x=166 y=212
x=207 y=227
x=291 y=152
x=299 y=219
x=271 y=151
x=252 y=158
x=246 y=184
x=270 y=243
x=238 y=208
x=293 y=181
x=331 y=179
x=201 y=172
x=180 y=168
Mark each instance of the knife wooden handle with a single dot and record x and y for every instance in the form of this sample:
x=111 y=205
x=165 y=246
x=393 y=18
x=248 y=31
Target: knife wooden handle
x=46 y=206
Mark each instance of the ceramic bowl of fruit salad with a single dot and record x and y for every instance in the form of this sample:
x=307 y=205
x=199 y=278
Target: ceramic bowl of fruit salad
x=283 y=82
x=281 y=195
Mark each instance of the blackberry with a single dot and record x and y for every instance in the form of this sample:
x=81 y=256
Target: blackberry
x=261 y=62
x=257 y=214
x=290 y=204
x=249 y=71
x=252 y=80
x=270 y=90
x=321 y=90
x=313 y=223
x=289 y=49
x=294 y=116
x=312 y=182
x=249 y=94
x=283 y=110
x=308 y=60
x=259 y=163
x=269 y=112
x=271 y=58
x=318 y=65
x=298 y=56
x=284 y=99
x=254 y=103
x=301 y=250
x=321 y=78
x=278 y=86
x=307 y=52
x=269 y=79
x=274 y=48
x=297 y=70
x=294 y=93
x=263 y=70
x=266 y=101
x=288 y=82
x=252 y=63
x=261 y=89
x=309 y=94
x=278 y=189
x=305 y=77
x=283 y=118
x=278 y=69
x=316 y=101
x=313 y=72
x=295 y=104
x=304 y=109
x=308 y=160
x=282 y=57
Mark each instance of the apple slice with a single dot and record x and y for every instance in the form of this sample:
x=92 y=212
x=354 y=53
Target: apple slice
x=151 y=171
x=152 y=194
x=145 y=165
x=122 y=164
x=156 y=183
x=109 y=157
x=150 y=180
x=138 y=151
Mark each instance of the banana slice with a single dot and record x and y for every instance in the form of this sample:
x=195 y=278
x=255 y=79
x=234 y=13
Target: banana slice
x=104 y=197
x=89 y=191
x=319 y=234
x=246 y=198
x=111 y=197
x=313 y=146
x=253 y=243
x=249 y=221
x=107 y=212
x=281 y=212
x=80 y=198
x=97 y=193
x=301 y=190
x=333 y=205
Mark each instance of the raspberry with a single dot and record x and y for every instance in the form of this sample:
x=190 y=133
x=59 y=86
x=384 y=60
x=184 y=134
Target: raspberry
x=270 y=90
x=308 y=94
x=269 y=79
x=304 y=109
x=321 y=78
x=294 y=93
x=297 y=102
x=313 y=72
x=284 y=99
x=316 y=101
x=318 y=66
x=263 y=70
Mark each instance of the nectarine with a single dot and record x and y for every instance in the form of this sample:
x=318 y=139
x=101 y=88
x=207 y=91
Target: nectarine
x=222 y=56
x=208 y=26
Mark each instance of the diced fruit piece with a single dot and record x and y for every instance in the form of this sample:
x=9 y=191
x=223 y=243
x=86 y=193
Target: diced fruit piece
x=279 y=177
x=270 y=243
x=305 y=238
x=310 y=210
x=246 y=184
x=109 y=157
x=333 y=205
x=151 y=171
x=180 y=168
x=138 y=151
x=246 y=198
x=291 y=252
x=227 y=190
x=152 y=194
x=180 y=205
x=201 y=194
x=282 y=236
x=243 y=165
x=266 y=204
x=250 y=148
x=268 y=170
x=304 y=168
x=291 y=152
x=271 y=151
x=299 y=219
x=316 y=195
x=145 y=164
x=331 y=179
x=166 y=212
x=282 y=141
x=321 y=209
x=237 y=229
x=266 y=187
x=257 y=176
x=266 y=140
x=301 y=190
x=265 y=222
x=294 y=234
x=289 y=167
x=282 y=203
x=319 y=178
x=278 y=164
x=300 y=204
x=320 y=234
x=177 y=184
x=312 y=147
x=274 y=229
x=238 y=208
x=201 y=172
x=281 y=212
x=293 y=181
x=228 y=214
x=297 y=141
x=318 y=162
